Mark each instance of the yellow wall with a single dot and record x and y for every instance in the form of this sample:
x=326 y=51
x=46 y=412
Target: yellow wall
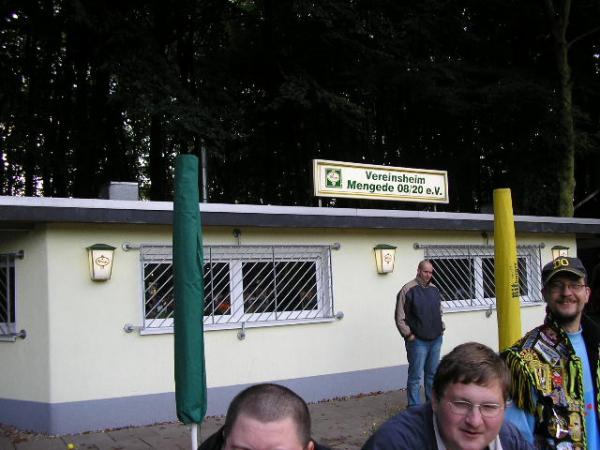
x=76 y=348
x=25 y=366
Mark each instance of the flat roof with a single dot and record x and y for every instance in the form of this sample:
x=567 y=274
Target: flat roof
x=24 y=212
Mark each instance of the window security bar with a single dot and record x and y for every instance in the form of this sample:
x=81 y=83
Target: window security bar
x=8 y=330
x=465 y=274
x=12 y=337
x=243 y=284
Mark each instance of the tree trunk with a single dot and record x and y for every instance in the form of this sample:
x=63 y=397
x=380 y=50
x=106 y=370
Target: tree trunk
x=156 y=160
x=559 y=21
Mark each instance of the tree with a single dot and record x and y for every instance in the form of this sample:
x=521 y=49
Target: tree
x=559 y=13
x=96 y=92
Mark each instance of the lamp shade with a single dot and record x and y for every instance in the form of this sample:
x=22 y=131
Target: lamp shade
x=100 y=257
x=559 y=250
x=385 y=257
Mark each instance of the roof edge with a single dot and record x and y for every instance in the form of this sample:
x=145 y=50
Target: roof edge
x=47 y=209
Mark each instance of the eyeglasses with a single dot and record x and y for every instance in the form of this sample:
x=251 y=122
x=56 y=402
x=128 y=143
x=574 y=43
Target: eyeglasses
x=464 y=408
x=560 y=287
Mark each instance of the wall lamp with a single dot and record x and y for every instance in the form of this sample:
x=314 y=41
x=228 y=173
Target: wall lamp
x=385 y=256
x=100 y=257
x=559 y=250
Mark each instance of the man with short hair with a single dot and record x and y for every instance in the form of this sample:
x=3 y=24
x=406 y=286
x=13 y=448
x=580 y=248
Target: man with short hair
x=555 y=366
x=419 y=320
x=265 y=417
x=470 y=391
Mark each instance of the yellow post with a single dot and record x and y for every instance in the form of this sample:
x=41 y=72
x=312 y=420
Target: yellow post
x=506 y=270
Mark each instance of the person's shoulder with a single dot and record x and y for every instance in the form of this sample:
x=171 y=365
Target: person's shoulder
x=320 y=447
x=591 y=329
x=535 y=331
x=433 y=287
x=509 y=429
x=408 y=429
x=525 y=343
x=591 y=320
x=213 y=442
x=591 y=323
x=411 y=284
x=512 y=439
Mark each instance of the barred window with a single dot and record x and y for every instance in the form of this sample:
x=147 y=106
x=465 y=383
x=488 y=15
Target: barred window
x=252 y=284
x=7 y=294
x=465 y=274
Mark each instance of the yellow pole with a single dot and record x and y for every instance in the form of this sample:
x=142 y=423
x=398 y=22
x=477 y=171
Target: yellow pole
x=506 y=270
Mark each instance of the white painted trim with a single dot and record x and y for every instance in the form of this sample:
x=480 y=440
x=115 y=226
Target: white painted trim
x=51 y=202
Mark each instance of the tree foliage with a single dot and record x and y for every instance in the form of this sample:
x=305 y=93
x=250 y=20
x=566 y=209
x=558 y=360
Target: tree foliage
x=98 y=91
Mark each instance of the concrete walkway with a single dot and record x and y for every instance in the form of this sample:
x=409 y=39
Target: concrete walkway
x=342 y=424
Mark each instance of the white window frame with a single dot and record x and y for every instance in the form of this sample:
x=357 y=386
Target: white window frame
x=8 y=329
x=476 y=254
x=296 y=314
x=235 y=256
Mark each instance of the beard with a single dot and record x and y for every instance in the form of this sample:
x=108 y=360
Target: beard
x=563 y=318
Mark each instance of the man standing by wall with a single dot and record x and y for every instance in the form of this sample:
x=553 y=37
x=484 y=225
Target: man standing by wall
x=555 y=366
x=419 y=320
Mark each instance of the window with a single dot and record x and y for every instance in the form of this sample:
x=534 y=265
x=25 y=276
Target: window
x=488 y=277
x=465 y=274
x=7 y=294
x=251 y=284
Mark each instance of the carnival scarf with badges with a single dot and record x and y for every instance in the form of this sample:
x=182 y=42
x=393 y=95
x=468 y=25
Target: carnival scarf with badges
x=547 y=382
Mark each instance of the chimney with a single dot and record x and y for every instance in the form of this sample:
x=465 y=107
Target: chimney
x=120 y=190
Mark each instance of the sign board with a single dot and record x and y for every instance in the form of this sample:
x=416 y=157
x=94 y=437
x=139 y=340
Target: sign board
x=367 y=181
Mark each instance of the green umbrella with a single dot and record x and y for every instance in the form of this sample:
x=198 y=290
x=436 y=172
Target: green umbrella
x=190 y=373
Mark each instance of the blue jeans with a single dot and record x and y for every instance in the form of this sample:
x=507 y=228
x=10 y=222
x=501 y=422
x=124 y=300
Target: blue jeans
x=423 y=358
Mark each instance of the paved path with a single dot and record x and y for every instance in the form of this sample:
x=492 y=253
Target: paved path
x=342 y=424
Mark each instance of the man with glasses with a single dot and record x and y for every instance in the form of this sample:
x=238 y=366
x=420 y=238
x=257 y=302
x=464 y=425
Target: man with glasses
x=470 y=391
x=555 y=366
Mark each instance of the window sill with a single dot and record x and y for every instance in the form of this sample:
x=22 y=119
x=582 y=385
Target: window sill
x=238 y=326
x=12 y=337
x=486 y=307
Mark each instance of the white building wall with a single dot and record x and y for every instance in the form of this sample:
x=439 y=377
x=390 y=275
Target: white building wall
x=76 y=348
x=24 y=370
x=93 y=358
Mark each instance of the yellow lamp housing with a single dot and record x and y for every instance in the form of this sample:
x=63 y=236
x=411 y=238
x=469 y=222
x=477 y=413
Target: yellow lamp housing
x=559 y=250
x=385 y=257
x=100 y=258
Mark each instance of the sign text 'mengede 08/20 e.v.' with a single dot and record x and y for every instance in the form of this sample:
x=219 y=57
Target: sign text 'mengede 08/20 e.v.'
x=367 y=181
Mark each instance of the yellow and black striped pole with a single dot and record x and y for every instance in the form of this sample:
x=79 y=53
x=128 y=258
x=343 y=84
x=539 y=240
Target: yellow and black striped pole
x=506 y=270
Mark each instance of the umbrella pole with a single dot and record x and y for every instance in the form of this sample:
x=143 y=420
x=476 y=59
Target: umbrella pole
x=194 y=430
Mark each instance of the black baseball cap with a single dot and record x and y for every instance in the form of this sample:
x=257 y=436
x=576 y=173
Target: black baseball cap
x=563 y=264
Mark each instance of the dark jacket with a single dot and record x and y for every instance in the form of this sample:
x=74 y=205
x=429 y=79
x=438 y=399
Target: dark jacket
x=216 y=441
x=413 y=430
x=419 y=310
x=550 y=391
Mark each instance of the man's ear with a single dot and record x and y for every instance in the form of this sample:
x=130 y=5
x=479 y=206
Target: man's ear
x=588 y=292
x=223 y=439
x=545 y=295
x=310 y=445
x=435 y=403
